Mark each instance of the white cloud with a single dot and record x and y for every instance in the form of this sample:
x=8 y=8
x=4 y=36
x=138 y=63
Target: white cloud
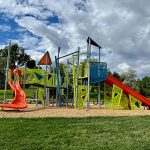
x=123 y=67
x=5 y=28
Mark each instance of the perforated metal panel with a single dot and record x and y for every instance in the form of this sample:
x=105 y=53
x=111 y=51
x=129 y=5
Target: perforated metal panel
x=98 y=71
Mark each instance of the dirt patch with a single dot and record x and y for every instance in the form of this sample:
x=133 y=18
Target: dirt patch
x=39 y=112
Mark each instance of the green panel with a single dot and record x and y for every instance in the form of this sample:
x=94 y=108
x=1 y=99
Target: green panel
x=80 y=70
x=41 y=94
x=31 y=77
x=134 y=102
x=124 y=102
x=107 y=95
x=82 y=95
x=86 y=70
x=116 y=97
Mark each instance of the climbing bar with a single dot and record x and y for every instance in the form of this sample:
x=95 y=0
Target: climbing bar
x=68 y=54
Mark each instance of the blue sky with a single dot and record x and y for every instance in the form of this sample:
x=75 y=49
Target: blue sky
x=121 y=27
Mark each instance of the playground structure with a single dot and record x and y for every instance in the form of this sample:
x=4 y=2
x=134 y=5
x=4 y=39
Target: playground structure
x=70 y=84
x=19 y=101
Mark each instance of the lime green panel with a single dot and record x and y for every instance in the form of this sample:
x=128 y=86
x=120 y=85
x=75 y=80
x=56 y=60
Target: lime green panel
x=41 y=94
x=80 y=70
x=31 y=77
x=134 y=102
x=116 y=97
x=107 y=95
x=82 y=95
x=86 y=70
x=124 y=102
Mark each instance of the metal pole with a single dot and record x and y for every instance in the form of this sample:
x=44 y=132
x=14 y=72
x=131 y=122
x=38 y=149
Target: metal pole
x=77 y=74
x=67 y=55
x=59 y=84
x=74 y=82
x=24 y=79
x=48 y=97
x=46 y=82
x=7 y=69
x=99 y=90
x=88 y=54
x=58 y=80
x=67 y=83
x=37 y=97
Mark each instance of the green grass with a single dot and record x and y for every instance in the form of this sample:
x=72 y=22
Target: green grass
x=97 y=133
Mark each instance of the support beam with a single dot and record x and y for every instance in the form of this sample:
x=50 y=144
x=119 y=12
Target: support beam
x=24 y=77
x=77 y=75
x=99 y=89
x=37 y=96
x=58 y=81
x=88 y=59
x=67 y=55
x=67 y=85
x=7 y=69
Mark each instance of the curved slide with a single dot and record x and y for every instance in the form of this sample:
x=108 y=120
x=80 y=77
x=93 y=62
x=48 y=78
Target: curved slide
x=19 y=101
x=111 y=80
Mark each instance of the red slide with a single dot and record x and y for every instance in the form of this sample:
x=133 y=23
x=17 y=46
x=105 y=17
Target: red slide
x=19 y=101
x=111 y=80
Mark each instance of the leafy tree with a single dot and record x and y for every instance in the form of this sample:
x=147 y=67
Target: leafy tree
x=31 y=64
x=144 y=86
x=116 y=75
x=129 y=78
x=17 y=54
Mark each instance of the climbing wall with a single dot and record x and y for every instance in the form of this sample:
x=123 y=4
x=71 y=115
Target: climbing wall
x=82 y=95
x=38 y=76
x=124 y=102
x=116 y=97
x=107 y=95
x=134 y=102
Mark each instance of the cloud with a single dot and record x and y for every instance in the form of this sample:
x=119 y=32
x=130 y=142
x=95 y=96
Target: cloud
x=121 y=27
x=5 y=28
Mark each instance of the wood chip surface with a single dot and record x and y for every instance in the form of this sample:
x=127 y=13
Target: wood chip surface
x=40 y=112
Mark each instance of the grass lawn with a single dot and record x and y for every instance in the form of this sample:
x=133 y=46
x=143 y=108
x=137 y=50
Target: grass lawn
x=93 y=133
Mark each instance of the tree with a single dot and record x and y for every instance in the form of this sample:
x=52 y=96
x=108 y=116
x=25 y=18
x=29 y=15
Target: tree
x=144 y=86
x=31 y=64
x=17 y=54
x=116 y=75
x=129 y=78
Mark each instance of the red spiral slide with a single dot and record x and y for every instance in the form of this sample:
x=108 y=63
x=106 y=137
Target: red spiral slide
x=111 y=80
x=19 y=101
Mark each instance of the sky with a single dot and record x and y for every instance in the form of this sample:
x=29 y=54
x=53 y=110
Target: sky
x=121 y=27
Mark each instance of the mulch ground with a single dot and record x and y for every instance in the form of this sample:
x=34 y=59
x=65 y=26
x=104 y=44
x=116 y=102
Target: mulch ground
x=40 y=112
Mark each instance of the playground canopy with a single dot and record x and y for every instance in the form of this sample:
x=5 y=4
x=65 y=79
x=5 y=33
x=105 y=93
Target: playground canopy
x=45 y=60
x=92 y=42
